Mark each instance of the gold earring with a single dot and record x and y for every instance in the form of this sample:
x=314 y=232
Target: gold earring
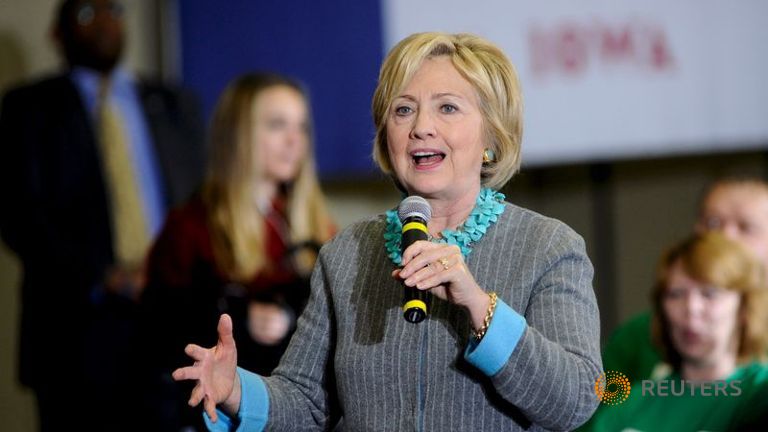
x=488 y=156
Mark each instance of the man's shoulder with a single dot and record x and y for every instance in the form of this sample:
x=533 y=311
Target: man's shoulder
x=43 y=87
x=37 y=99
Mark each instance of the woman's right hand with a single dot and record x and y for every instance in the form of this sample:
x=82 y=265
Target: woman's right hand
x=215 y=370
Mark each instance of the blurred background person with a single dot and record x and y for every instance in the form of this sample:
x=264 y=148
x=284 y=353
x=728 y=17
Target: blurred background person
x=735 y=206
x=246 y=243
x=91 y=159
x=738 y=206
x=710 y=321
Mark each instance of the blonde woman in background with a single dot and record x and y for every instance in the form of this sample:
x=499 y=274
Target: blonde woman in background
x=247 y=242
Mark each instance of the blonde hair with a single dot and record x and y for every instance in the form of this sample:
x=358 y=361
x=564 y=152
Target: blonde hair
x=486 y=68
x=230 y=194
x=713 y=259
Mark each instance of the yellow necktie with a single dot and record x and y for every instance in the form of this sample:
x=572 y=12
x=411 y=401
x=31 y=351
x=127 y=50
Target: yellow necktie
x=129 y=222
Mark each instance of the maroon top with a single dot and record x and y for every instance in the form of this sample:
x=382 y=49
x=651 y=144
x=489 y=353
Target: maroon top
x=187 y=291
x=186 y=240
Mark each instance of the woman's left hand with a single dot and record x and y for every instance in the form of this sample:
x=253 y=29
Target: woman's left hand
x=440 y=268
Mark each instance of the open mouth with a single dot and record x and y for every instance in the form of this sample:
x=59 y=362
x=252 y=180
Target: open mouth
x=690 y=336
x=427 y=158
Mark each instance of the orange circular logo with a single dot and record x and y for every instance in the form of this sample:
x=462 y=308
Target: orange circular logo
x=612 y=388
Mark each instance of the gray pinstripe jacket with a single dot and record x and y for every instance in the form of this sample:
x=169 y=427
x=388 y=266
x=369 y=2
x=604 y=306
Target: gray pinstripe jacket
x=355 y=357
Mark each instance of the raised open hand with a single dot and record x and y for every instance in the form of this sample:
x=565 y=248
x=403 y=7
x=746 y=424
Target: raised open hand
x=215 y=370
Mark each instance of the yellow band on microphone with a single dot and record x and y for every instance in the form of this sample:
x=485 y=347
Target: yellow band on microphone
x=415 y=225
x=418 y=304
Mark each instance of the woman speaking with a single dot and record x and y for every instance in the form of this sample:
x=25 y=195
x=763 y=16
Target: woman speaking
x=511 y=339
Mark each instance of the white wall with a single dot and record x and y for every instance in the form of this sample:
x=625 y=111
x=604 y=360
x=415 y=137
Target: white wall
x=613 y=80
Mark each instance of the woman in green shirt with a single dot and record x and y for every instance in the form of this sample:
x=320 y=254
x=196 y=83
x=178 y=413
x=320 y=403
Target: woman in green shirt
x=709 y=322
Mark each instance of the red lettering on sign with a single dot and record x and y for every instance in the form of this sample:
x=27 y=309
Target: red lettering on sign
x=571 y=48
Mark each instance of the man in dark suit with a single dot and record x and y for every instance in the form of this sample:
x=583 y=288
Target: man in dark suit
x=78 y=320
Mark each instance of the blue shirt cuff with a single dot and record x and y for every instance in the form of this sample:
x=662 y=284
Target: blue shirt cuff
x=254 y=407
x=501 y=338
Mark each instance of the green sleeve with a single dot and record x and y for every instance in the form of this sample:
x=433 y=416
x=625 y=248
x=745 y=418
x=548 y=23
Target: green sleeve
x=629 y=349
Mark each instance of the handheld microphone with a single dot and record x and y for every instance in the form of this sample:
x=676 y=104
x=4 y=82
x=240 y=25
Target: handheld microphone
x=414 y=213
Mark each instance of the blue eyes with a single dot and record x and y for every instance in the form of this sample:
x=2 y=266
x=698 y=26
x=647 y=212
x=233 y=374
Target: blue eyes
x=445 y=109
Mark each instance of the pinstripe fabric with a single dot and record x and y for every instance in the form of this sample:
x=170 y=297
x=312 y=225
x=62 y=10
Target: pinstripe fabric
x=391 y=375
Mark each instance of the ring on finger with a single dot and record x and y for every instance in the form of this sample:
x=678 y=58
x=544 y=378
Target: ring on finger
x=444 y=262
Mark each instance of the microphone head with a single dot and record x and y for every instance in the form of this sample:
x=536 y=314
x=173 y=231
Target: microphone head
x=414 y=205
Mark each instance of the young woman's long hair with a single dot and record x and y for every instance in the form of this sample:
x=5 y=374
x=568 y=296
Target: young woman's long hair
x=230 y=192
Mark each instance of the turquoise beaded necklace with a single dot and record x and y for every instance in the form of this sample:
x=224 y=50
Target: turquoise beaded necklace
x=488 y=207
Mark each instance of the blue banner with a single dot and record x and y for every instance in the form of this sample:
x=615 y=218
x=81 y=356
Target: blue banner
x=334 y=48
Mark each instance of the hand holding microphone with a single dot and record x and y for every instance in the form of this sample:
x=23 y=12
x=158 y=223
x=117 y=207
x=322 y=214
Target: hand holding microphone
x=433 y=268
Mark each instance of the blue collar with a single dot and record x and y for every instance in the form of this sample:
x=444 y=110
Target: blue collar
x=88 y=81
